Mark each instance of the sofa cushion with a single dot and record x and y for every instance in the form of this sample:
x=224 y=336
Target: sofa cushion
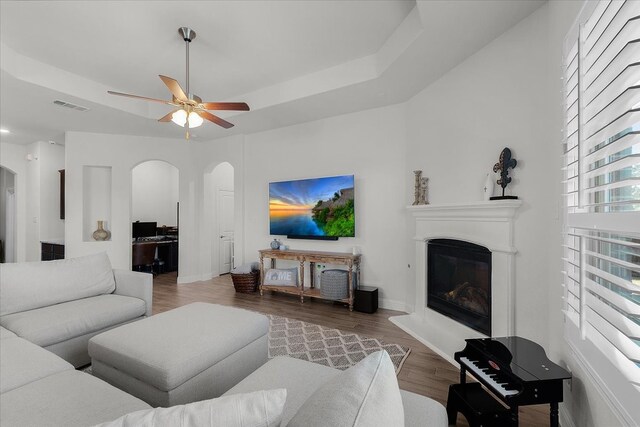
x=69 y=398
x=170 y=348
x=258 y=409
x=5 y=333
x=300 y=378
x=31 y=285
x=22 y=362
x=366 y=394
x=56 y=323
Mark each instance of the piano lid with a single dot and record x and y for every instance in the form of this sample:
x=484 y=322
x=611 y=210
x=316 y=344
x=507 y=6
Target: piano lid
x=523 y=357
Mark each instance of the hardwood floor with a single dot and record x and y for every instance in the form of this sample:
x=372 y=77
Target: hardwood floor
x=424 y=372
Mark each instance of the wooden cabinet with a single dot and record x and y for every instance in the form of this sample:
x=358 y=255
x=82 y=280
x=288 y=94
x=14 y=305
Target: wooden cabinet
x=51 y=251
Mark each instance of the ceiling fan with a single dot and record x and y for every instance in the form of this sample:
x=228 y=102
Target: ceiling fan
x=191 y=110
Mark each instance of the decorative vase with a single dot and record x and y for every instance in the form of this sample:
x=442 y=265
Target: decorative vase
x=488 y=187
x=101 y=234
x=275 y=244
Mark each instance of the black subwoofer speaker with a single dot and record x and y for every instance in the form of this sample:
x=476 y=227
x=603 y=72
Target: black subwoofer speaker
x=366 y=299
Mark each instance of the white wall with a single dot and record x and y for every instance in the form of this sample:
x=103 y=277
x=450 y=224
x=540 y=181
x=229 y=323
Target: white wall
x=458 y=126
x=37 y=194
x=369 y=144
x=155 y=193
x=33 y=203
x=122 y=153
x=12 y=156
x=7 y=182
x=50 y=161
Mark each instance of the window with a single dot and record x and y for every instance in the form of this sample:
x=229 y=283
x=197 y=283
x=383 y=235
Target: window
x=601 y=252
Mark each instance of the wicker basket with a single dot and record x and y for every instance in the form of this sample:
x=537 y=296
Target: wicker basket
x=246 y=282
x=334 y=284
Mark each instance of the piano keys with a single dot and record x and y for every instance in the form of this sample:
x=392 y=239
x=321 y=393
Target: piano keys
x=515 y=370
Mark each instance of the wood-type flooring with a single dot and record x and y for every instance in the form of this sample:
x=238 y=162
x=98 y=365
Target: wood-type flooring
x=424 y=372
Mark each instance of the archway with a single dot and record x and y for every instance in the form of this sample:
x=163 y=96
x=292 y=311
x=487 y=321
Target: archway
x=8 y=208
x=155 y=218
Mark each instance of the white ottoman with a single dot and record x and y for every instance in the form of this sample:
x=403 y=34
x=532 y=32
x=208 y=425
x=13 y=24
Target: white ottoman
x=192 y=353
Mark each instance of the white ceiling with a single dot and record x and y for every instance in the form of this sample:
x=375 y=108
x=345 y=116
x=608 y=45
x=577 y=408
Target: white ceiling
x=292 y=61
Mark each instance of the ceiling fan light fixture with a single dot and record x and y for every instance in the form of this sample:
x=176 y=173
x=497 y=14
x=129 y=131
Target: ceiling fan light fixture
x=179 y=117
x=194 y=120
x=191 y=111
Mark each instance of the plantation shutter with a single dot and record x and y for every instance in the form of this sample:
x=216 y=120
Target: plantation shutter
x=601 y=180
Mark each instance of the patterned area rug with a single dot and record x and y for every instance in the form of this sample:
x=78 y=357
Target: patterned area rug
x=326 y=346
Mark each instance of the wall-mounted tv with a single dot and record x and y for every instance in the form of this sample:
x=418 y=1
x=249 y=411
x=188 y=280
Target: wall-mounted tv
x=317 y=208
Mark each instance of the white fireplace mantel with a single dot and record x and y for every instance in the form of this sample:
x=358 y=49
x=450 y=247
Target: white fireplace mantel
x=486 y=223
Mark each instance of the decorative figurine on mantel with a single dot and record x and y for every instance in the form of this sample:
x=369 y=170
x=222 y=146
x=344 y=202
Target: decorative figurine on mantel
x=504 y=163
x=420 y=189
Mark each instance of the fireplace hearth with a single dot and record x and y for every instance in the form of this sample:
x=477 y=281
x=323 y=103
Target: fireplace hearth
x=459 y=282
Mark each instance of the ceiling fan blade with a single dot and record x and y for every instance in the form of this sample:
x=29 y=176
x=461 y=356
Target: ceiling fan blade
x=237 y=106
x=168 y=117
x=215 y=119
x=138 y=97
x=175 y=88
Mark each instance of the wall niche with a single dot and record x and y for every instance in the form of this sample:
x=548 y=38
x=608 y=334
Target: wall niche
x=96 y=192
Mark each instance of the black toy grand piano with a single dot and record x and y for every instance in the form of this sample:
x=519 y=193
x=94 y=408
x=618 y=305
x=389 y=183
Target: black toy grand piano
x=515 y=370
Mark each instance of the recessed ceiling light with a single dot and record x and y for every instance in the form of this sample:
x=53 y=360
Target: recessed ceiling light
x=3 y=130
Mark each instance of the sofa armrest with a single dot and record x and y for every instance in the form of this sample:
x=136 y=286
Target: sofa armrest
x=422 y=411
x=135 y=284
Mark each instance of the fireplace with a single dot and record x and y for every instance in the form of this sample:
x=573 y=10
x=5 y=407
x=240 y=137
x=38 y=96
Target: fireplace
x=459 y=282
x=490 y=224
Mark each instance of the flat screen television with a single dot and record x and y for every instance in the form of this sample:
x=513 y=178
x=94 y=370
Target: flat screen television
x=143 y=229
x=316 y=208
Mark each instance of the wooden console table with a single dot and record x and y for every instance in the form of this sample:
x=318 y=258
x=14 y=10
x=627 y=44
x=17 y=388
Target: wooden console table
x=312 y=257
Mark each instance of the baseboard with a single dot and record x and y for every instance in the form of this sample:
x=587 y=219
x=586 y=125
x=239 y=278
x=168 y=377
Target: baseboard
x=208 y=276
x=391 y=304
x=188 y=279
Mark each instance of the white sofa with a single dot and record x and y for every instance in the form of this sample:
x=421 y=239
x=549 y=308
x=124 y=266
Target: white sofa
x=37 y=387
x=48 y=312
x=302 y=379
x=60 y=305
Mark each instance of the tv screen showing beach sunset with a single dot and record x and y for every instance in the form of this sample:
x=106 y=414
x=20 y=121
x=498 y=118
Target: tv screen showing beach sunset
x=313 y=207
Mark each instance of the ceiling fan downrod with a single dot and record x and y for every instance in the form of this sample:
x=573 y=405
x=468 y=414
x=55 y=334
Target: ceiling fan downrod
x=187 y=35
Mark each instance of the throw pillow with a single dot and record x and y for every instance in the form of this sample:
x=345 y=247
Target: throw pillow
x=281 y=277
x=258 y=409
x=366 y=394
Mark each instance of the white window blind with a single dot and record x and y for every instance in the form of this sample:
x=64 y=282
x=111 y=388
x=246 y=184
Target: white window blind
x=601 y=180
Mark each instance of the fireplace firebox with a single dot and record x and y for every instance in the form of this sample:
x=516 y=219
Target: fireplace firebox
x=459 y=282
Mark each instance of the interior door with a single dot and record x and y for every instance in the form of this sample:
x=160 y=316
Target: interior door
x=225 y=228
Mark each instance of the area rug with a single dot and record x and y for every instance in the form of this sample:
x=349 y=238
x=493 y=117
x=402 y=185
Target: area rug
x=326 y=346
